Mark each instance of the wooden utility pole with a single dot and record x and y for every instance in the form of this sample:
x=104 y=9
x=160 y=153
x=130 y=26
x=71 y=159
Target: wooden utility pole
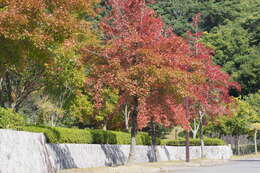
x=187 y=142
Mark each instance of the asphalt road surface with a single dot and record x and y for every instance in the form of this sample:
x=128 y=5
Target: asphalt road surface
x=238 y=166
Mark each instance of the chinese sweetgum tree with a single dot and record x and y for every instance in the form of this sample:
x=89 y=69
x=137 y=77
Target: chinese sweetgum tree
x=211 y=97
x=149 y=65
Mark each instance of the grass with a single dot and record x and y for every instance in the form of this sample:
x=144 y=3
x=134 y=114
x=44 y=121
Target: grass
x=248 y=156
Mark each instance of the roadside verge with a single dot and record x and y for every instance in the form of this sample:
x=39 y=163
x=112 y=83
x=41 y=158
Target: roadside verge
x=157 y=167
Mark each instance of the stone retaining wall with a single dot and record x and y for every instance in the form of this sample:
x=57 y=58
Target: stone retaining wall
x=25 y=152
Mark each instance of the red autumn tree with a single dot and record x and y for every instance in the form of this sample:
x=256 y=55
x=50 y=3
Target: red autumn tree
x=212 y=95
x=151 y=67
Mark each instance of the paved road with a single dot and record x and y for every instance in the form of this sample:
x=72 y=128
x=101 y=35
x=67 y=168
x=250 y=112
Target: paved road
x=239 y=166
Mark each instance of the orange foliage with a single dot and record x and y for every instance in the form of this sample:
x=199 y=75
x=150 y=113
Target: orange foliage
x=42 y=22
x=152 y=68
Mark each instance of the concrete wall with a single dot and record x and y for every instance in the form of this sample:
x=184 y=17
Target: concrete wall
x=24 y=152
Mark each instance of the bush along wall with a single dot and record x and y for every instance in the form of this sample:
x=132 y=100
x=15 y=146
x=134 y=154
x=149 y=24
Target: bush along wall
x=10 y=119
x=193 y=142
x=96 y=136
x=86 y=136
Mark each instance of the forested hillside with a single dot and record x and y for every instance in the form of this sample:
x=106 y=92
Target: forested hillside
x=231 y=28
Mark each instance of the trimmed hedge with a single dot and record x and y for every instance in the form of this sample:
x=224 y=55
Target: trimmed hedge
x=10 y=119
x=142 y=138
x=193 y=142
x=86 y=136
x=61 y=135
x=89 y=136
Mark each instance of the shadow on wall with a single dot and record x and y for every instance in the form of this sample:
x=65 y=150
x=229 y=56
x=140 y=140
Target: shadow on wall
x=167 y=152
x=45 y=154
x=154 y=153
x=151 y=154
x=114 y=155
x=64 y=159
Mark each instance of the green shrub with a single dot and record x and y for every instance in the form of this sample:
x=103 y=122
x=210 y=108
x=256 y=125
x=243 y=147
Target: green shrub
x=143 y=139
x=86 y=136
x=103 y=137
x=73 y=135
x=193 y=142
x=122 y=137
x=173 y=142
x=214 y=141
x=61 y=135
x=10 y=119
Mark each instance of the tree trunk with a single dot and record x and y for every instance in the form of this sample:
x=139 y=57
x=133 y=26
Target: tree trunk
x=255 y=136
x=105 y=124
x=153 y=133
x=237 y=145
x=126 y=113
x=202 y=141
x=201 y=114
x=105 y=127
x=8 y=89
x=132 y=152
x=195 y=129
x=52 y=120
x=201 y=134
x=187 y=142
x=187 y=145
x=13 y=93
x=194 y=134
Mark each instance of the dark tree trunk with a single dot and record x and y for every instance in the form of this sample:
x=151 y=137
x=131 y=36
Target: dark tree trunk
x=16 y=86
x=132 y=152
x=187 y=145
x=187 y=142
x=8 y=89
x=153 y=134
x=14 y=92
x=2 y=102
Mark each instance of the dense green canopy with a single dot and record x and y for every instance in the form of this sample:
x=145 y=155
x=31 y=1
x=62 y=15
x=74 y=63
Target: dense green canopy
x=233 y=31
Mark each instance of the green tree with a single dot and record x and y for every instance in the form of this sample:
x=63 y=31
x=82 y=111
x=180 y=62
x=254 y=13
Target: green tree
x=177 y=13
x=254 y=101
x=233 y=32
x=235 y=52
x=238 y=124
x=104 y=115
x=31 y=34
